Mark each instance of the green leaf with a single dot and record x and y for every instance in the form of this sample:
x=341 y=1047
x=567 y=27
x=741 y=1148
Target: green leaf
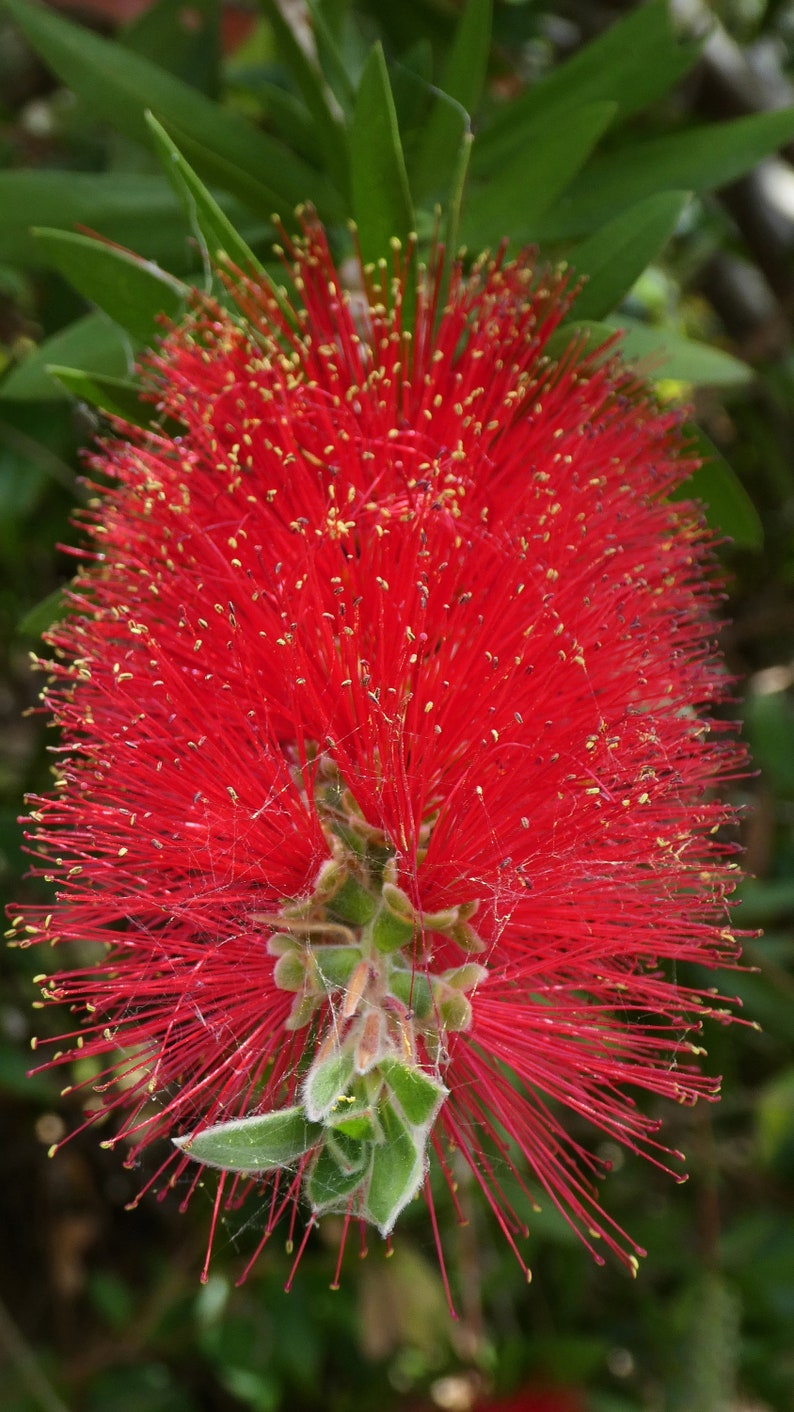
x=696 y=159
x=515 y=200
x=43 y=614
x=186 y=41
x=769 y=727
x=729 y=509
x=382 y=205
x=132 y=291
x=460 y=91
x=775 y=1117
x=665 y=355
x=418 y=1095
x=122 y=206
x=117 y=396
x=326 y=1083
x=632 y=64
x=212 y=224
x=678 y=358
x=221 y=144
x=331 y=1183
x=328 y=129
x=93 y=344
x=397 y=1172
x=615 y=257
x=138 y=211
x=253 y=1144
x=342 y=53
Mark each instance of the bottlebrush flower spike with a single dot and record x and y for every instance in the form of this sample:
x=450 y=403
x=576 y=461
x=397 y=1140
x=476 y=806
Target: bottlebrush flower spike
x=386 y=784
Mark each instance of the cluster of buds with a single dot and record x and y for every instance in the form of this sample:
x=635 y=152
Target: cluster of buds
x=372 y=1093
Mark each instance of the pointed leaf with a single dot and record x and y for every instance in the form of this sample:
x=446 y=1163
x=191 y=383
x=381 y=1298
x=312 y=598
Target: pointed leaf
x=677 y=358
x=458 y=98
x=121 y=206
x=117 y=396
x=616 y=255
x=132 y=291
x=253 y=1144
x=666 y=356
x=342 y=54
x=514 y=202
x=398 y=1170
x=93 y=344
x=729 y=509
x=632 y=63
x=381 y=199
x=308 y=78
x=223 y=145
x=327 y=1083
x=697 y=159
x=419 y=1095
x=213 y=225
x=186 y=42
x=43 y=614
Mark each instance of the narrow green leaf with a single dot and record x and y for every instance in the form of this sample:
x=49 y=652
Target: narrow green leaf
x=397 y=1172
x=43 y=614
x=381 y=199
x=253 y=1144
x=214 y=227
x=117 y=396
x=138 y=211
x=287 y=115
x=326 y=1083
x=93 y=344
x=460 y=91
x=677 y=358
x=632 y=63
x=132 y=291
x=616 y=255
x=419 y=1095
x=221 y=144
x=185 y=41
x=342 y=53
x=515 y=200
x=308 y=78
x=729 y=509
x=112 y=204
x=696 y=159
x=666 y=356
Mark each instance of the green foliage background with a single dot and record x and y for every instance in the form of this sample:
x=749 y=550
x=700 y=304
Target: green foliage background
x=629 y=149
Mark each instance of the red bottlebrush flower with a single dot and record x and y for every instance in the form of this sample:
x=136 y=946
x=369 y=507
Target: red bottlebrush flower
x=385 y=790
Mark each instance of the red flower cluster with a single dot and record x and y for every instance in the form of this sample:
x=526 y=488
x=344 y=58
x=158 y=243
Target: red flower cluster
x=385 y=784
